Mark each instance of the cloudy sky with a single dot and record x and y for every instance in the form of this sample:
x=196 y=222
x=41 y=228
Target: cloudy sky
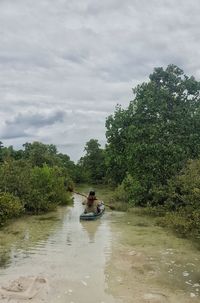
x=65 y=64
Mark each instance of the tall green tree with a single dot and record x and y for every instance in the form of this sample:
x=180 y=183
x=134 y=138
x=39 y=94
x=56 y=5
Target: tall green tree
x=93 y=163
x=117 y=140
x=153 y=138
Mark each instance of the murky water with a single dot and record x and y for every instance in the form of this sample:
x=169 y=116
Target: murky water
x=119 y=258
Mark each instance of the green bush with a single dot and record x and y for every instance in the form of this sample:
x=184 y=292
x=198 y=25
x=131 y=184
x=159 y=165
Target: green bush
x=15 y=178
x=38 y=188
x=181 y=191
x=129 y=191
x=185 y=222
x=47 y=189
x=10 y=206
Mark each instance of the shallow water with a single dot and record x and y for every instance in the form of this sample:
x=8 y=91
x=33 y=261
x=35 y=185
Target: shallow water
x=119 y=258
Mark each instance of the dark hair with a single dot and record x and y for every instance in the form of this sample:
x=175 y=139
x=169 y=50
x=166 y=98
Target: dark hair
x=92 y=193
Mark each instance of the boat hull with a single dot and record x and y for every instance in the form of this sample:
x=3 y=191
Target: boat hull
x=92 y=216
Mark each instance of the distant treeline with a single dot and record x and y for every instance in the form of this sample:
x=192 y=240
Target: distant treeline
x=33 y=180
x=152 y=155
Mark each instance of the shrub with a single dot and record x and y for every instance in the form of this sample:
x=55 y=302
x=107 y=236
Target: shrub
x=129 y=191
x=10 y=206
x=47 y=189
x=15 y=177
x=185 y=222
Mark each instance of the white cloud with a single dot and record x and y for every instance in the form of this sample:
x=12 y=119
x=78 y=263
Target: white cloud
x=82 y=58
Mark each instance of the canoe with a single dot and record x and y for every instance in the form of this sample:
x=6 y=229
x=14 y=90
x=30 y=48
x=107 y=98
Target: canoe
x=93 y=216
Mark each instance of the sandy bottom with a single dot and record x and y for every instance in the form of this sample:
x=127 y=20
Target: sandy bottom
x=24 y=288
x=133 y=278
x=38 y=289
x=149 y=265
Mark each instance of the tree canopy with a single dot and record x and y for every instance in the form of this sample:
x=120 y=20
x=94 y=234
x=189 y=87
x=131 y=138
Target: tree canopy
x=159 y=131
x=93 y=163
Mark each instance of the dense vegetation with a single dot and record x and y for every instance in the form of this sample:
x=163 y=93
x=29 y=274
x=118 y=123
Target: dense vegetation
x=33 y=180
x=92 y=167
x=149 y=145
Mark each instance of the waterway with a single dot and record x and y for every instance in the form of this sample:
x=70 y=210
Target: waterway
x=121 y=258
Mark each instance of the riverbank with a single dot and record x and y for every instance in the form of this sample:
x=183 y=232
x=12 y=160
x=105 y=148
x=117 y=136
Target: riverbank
x=11 y=208
x=182 y=223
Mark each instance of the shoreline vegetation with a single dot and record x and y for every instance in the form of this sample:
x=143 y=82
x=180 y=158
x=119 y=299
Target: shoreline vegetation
x=150 y=164
x=33 y=180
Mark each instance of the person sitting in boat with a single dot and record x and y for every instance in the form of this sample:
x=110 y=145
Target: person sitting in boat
x=92 y=203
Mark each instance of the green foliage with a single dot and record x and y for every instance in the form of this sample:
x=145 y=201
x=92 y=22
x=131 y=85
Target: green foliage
x=116 y=156
x=80 y=174
x=10 y=207
x=129 y=191
x=39 y=154
x=179 y=201
x=185 y=222
x=93 y=163
x=184 y=189
x=159 y=131
x=39 y=188
x=47 y=189
x=8 y=153
x=67 y=165
x=38 y=177
x=1 y=152
x=15 y=178
x=149 y=145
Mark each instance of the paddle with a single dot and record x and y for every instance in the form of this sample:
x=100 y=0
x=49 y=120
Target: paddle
x=110 y=206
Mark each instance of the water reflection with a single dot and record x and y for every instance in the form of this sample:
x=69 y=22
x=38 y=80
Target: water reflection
x=5 y=256
x=91 y=228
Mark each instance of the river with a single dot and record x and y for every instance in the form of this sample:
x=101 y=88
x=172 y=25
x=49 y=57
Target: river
x=121 y=258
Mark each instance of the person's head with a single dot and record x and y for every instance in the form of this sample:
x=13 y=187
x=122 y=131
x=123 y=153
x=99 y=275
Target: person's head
x=92 y=193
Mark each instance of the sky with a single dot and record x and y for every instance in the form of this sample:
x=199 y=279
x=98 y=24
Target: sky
x=66 y=64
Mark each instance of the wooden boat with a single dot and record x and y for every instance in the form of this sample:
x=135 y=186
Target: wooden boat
x=93 y=216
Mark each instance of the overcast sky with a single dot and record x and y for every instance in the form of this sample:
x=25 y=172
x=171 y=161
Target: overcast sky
x=65 y=64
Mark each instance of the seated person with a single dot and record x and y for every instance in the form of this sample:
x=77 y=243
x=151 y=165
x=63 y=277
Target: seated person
x=92 y=203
